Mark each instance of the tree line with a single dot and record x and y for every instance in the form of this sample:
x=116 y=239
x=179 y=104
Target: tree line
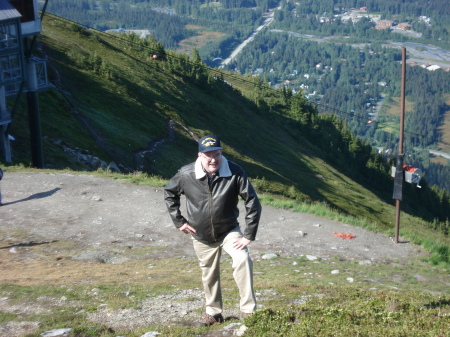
x=167 y=20
x=167 y=28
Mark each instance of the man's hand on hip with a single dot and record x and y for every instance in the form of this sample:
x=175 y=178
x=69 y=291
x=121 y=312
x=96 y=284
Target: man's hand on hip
x=241 y=243
x=186 y=228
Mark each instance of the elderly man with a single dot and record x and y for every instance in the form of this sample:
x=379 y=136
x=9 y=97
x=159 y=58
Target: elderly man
x=212 y=185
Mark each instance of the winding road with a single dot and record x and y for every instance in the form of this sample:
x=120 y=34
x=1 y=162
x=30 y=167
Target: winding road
x=267 y=22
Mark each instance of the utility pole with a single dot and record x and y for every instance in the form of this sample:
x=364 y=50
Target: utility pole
x=398 y=179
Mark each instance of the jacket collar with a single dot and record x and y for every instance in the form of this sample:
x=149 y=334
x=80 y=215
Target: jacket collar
x=224 y=169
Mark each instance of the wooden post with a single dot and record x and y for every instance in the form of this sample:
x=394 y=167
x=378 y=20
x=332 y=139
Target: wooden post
x=400 y=143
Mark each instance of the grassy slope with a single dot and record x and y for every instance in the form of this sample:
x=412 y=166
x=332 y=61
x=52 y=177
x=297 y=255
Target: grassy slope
x=115 y=118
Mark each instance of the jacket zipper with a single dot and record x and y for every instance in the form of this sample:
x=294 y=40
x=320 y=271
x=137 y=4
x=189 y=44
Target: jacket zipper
x=210 y=209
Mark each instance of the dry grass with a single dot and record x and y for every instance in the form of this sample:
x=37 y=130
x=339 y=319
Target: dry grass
x=394 y=107
x=438 y=159
x=198 y=41
x=34 y=269
x=444 y=130
x=389 y=117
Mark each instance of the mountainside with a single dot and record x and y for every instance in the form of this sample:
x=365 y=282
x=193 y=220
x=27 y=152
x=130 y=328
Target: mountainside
x=130 y=102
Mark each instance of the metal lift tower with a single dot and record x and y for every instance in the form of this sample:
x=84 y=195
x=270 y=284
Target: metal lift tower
x=21 y=72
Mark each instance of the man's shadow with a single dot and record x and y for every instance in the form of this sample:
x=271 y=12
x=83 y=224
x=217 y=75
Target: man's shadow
x=28 y=244
x=35 y=196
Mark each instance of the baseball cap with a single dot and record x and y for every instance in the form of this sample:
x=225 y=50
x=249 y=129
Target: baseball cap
x=209 y=143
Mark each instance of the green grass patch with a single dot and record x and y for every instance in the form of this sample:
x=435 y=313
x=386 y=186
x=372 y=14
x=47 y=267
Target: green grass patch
x=355 y=312
x=389 y=116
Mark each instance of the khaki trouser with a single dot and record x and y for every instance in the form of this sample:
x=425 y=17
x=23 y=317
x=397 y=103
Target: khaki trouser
x=209 y=257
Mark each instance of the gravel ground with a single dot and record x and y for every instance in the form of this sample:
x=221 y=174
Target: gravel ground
x=96 y=214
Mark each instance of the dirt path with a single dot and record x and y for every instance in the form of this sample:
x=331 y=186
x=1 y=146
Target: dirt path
x=99 y=212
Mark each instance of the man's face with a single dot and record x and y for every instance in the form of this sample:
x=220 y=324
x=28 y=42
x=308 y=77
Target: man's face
x=211 y=160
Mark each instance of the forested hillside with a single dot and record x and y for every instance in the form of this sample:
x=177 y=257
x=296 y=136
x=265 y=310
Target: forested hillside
x=352 y=82
x=351 y=79
x=355 y=76
x=167 y=19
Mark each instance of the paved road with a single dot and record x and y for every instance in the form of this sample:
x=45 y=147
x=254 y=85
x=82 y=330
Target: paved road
x=250 y=38
x=439 y=153
x=425 y=51
x=378 y=107
x=418 y=52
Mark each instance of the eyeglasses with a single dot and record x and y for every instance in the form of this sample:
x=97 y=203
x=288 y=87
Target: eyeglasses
x=210 y=156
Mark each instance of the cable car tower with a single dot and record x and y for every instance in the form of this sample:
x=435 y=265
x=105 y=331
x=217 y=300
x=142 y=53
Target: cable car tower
x=20 y=71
